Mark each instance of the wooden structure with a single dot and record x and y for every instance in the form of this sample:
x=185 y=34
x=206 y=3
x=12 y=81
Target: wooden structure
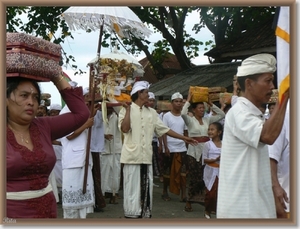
x=170 y=62
x=211 y=75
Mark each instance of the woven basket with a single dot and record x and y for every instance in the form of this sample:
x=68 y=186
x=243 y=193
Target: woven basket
x=31 y=57
x=31 y=65
x=214 y=93
x=216 y=89
x=226 y=96
x=200 y=94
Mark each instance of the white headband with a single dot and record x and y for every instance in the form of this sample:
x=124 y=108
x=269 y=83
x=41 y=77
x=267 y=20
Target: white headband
x=260 y=63
x=176 y=95
x=151 y=95
x=55 y=107
x=139 y=85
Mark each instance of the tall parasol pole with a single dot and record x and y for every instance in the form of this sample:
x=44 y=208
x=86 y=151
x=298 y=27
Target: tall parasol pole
x=92 y=92
x=119 y=19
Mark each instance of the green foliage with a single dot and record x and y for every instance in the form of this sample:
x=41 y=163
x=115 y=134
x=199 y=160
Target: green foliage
x=227 y=23
x=12 y=19
x=42 y=22
x=223 y=22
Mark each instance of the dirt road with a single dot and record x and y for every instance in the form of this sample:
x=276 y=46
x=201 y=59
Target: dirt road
x=173 y=209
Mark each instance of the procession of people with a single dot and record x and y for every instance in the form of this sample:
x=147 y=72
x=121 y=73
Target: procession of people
x=234 y=163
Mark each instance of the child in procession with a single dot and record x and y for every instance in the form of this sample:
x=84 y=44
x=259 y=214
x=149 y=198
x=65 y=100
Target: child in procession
x=211 y=158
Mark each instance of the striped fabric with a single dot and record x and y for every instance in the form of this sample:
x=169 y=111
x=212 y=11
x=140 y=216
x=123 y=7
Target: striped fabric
x=283 y=50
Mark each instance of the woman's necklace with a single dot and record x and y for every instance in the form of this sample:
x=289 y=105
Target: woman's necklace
x=23 y=139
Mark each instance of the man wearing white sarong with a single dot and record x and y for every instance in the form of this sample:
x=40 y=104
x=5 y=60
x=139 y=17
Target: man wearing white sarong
x=138 y=123
x=110 y=157
x=75 y=204
x=245 y=187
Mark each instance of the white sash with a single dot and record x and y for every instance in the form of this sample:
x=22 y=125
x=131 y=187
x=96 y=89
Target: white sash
x=24 y=195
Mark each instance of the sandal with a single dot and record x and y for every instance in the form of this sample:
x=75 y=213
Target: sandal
x=188 y=209
x=165 y=197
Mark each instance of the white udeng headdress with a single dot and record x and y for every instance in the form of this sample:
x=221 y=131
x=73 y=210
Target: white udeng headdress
x=151 y=95
x=176 y=95
x=139 y=85
x=55 y=107
x=260 y=63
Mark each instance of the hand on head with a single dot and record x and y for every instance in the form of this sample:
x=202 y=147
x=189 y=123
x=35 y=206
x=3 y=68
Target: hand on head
x=190 y=95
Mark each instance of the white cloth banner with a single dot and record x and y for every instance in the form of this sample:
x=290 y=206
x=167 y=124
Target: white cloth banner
x=283 y=50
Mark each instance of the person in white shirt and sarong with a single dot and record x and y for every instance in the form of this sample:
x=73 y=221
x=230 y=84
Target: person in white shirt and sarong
x=197 y=129
x=75 y=203
x=211 y=158
x=174 y=161
x=245 y=186
x=138 y=122
x=110 y=157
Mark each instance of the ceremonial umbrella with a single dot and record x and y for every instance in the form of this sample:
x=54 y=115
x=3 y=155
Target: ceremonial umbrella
x=119 y=19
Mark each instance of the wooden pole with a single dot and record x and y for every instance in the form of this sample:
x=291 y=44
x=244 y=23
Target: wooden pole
x=92 y=92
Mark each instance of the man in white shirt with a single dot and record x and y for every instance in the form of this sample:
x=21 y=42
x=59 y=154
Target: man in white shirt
x=245 y=187
x=175 y=151
x=138 y=122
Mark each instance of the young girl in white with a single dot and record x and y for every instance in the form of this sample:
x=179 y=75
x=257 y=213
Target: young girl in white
x=211 y=158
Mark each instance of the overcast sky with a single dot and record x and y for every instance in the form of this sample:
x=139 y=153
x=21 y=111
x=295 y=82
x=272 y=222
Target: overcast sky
x=84 y=48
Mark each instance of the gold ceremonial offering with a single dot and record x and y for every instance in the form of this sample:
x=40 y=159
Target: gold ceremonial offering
x=226 y=96
x=199 y=94
x=214 y=93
